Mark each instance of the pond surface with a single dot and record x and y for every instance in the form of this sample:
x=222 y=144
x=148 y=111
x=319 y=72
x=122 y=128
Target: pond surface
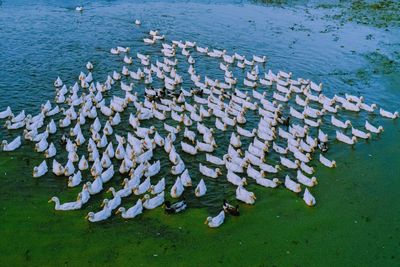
x=357 y=217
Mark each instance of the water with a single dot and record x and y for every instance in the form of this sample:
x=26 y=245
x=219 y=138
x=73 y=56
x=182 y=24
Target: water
x=356 y=219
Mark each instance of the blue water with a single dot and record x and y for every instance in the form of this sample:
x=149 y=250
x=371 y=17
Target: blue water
x=41 y=40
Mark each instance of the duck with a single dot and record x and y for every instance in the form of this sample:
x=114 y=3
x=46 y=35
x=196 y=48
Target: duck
x=360 y=134
x=96 y=186
x=152 y=203
x=83 y=164
x=235 y=140
x=79 y=8
x=310 y=182
x=217 y=221
x=235 y=179
x=132 y=212
x=328 y=163
x=178 y=168
x=101 y=215
x=246 y=196
x=289 y=163
x=339 y=123
x=58 y=82
x=215 y=160
x=308 y=198
x=115 y=201
x=75 y=180
x=13 y=145
x=7 y=113
x=143 y=187
x=153 y=169
x=75 y=205
x=138 y=22
x=372 y=128
x=40 y=170
x=268 y=182
x=230 y=209
x=209 y=172
x=388 y=114
x=345 y=139
x=292 y=185
x=186 y=179
x=177 y=189
x=201 y=189
x=158 y=188
x=69 y=168
x=57 y=168
x=176 y=207
x=192 y=150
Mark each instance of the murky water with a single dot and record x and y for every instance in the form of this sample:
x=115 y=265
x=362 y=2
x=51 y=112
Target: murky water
x=357 y=216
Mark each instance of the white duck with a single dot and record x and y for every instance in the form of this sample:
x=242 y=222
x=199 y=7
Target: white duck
x=292 y=185
x=13 y=145
x=388 y=114
x=75 y=205
x=244 y=195
x=305 y=180
x=178 y=168
x=192 y=150
x=235 y=179
x=177 y=189
x=186 y=179
x=372 y=128
x=339 y=123
x=216 y=221
x=132 y=212
x=201 y=189
x=360 y=134
x=209 y=172
x=143 y=187
x=267 y=182
x=158 y=188
x=40 y=170
x=215 y=160
x=308 y=198
x=75 y=180
x=328 y=163
x=345 y=139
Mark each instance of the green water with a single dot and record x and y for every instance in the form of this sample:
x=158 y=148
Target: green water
x=357 y=217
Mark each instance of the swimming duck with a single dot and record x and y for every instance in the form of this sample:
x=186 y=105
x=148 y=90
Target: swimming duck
x=7 y=113
x=339 y=123
x=216 y=221
x=345 y=139
x=244 y=195
x=230 y=209
x=289 y=163
x=308 y=198
x=115 y=201
x=310 y=182
x=387 y=114
x=215 y=160
x=186 y=179
x=143 y=187
x=192 y=150
x=292 y=185
x=96 y=186
x=201 y=189
x=176 y=207
x=360 y=134
x=101 y=215
x=153 y=169
x=132 y=212
x=328 y=163
x=75 y=180
x=75 y=205
x=267 y=182
x=209 y=172
x=177 y=189
x=40 y=170
x=372 y=128
x=13 y=145
x=152 y=203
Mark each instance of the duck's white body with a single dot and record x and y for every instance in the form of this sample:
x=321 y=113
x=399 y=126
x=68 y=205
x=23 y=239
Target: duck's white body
x=216 y=221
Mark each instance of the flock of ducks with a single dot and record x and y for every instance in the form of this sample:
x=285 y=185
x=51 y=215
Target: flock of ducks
x=289 y=115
